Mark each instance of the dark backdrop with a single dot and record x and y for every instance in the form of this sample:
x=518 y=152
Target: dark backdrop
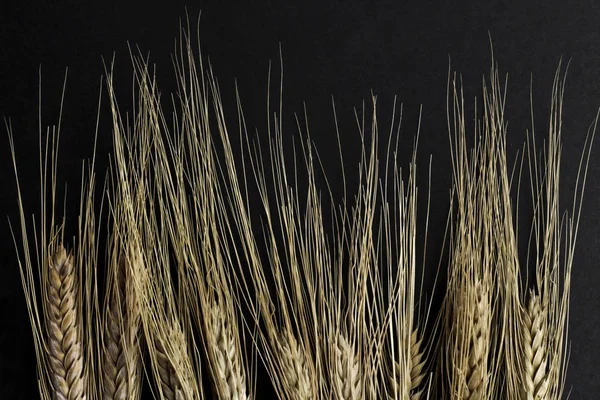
x=339 y=49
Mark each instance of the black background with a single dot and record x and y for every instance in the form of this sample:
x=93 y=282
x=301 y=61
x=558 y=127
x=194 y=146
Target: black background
x=339 y=49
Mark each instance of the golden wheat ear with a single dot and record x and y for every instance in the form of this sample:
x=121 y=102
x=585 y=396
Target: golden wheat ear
x=229 y=374
x=121 y=363
x=64 y=329
x=476 y=371
x=296 y=371
x=535 y=350
x=169 y=383
x=470 y=363
x=409 y=383
x=348 y=375
x=417 y=371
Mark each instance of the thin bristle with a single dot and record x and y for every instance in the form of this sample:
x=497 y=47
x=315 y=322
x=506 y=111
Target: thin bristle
x=65 y=349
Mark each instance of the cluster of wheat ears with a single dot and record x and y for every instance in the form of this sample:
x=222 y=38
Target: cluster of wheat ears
x=170 y=287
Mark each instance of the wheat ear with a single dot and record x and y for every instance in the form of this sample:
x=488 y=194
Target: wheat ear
x=410 y=384
x=535 y=331
x=122 y=361
x=231 y=380
x=416 y=366
x=348 y=379
x=65 y=349
x=169 y=383
x=475 y=373
x=295 y=369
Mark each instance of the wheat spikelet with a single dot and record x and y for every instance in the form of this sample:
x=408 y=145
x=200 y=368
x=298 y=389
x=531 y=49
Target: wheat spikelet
x=170 y=385
x=476 y=376
x=410 y=385
x=474 y=371
x=65 y=350
x=231 y=380
x=121 y=362
x=397 y=378
x=535 y=332
x=295 y=369
x=348 y=384
x=416 y=366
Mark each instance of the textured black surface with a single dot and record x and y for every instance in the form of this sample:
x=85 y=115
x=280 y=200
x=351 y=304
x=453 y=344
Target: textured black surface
x=342 y=49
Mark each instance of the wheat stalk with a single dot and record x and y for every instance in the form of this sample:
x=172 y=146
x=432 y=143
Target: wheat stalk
x=65 y=349
x=122 y=361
